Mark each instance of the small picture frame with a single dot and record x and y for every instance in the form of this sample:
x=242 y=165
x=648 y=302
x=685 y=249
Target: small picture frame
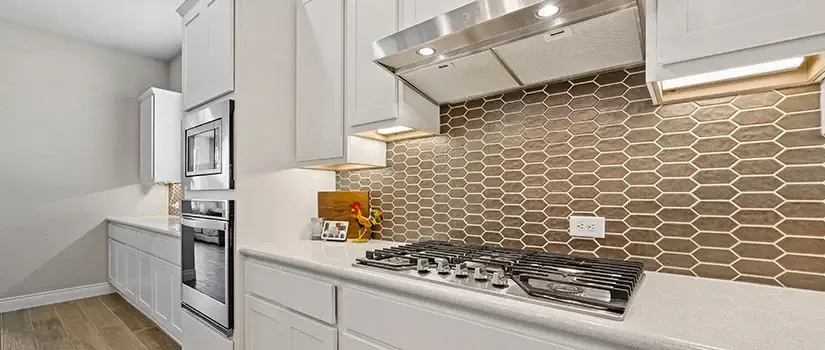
x=335 y=231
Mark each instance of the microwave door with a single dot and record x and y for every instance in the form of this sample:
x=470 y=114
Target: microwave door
x=203 y=145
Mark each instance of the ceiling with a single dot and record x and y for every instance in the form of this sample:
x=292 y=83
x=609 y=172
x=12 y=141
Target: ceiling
x=146 y=27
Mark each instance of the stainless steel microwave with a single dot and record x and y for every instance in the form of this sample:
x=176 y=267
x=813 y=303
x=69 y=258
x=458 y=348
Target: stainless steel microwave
x=207 y=146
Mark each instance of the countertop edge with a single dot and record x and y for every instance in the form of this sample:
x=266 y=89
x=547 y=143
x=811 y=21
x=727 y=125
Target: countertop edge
x=579 y=328
x=128 y=222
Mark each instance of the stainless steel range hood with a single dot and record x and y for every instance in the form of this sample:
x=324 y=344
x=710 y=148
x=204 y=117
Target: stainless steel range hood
x=490 y=46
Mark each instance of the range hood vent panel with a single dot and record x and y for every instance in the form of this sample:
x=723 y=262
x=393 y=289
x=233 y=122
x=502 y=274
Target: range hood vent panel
x=608 y=41
x=463 y=78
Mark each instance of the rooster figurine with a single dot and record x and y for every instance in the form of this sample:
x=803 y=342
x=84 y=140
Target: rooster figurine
x=365 y=223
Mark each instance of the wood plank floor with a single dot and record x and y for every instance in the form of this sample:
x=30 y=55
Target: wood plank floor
x=106 y=322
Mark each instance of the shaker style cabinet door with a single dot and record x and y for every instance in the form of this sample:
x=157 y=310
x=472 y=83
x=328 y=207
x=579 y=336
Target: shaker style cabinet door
x=131 y=273
x=167 y=309
x=319 y=80
x=208 y=51
x=371 y=92
x=271 y=327
x=145 y=291
x=690 y=29
x=113 y=268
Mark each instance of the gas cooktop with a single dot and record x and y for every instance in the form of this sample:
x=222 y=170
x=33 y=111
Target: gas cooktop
x=602 y=287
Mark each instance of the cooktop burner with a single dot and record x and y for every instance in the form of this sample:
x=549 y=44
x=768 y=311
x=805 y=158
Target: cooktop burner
x=602 y=287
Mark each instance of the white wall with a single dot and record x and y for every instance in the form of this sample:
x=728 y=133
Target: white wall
x=68 y=156
x=176 y=74
x=273 y=201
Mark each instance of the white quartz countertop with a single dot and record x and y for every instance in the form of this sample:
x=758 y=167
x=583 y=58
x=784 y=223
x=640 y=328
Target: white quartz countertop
x=164 y=224
x=668 y=312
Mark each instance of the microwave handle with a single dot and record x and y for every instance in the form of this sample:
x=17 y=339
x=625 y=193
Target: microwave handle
x=204 y=224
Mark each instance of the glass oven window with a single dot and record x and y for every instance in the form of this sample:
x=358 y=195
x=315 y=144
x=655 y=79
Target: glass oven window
x=204 y=261
x=203 y=151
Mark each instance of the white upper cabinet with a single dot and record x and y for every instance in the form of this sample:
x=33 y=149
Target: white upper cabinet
x=690 y=29
x=374 y=98
x=160 y=143
x=208 y=50
x=321 y=134
x=417 y=11
x=320 y=80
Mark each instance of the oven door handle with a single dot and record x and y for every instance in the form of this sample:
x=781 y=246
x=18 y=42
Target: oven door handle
x=204 y=224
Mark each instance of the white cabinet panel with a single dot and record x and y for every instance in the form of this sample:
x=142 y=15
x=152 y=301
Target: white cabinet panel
x=377 y=317
x=349 y=341
x=113 y=268
x=167 y=310
x=689 y=29
x=208 y=56
x=319 y=80
x=147 y=107
x=121 y=254
x=145 y=291
x=271 y=327
x=199 y=336
x=132 y=276
x=417 y=11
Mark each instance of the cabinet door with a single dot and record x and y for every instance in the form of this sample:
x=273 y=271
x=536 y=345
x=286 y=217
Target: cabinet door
x=113 y=263
x=220 y=59
x=353 y=342
x=417 y=11
x=689 y=29
x=371 y=93
x=147 y=147
x=271 y=327
x=132 y=273
x=195 y=55
x=145 y=291
x=121 y=266
x=319 y=80
x=167 y=308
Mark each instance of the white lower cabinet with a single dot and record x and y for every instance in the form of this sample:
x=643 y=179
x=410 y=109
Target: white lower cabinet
x=272 y=327
x=167 y=310
x=139 y=269
x=349 y=341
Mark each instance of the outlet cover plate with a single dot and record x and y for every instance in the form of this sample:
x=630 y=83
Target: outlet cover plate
x=587 y=226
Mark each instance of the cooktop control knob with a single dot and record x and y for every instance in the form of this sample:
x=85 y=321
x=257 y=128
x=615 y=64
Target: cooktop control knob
x=461 y=270
x=499 y=279
x=423 y=265
x=480 y=274
x=442 y=266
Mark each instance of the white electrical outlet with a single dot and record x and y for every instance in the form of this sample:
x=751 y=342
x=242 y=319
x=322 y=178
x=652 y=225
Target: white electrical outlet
x=587 y=226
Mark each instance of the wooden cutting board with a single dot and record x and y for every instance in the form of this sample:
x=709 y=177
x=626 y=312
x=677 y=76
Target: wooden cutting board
x=334 y=206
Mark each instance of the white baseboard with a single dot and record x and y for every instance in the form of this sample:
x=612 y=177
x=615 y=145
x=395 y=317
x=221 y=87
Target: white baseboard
x=54 y=296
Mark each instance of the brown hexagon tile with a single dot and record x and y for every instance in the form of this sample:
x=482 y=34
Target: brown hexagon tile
x=757 y=234
x=717 y=256
x=677 y=260
x=757 y=150
x=676 y=185
x=640 y=107
x=801 y=245
x=718 y=144
x=757 y=200
x=813 y=264
x=803 y=209
x=643 y=121
x=714 y=113
x=758 y=280
x=757 y=133
x=612 y=145
x=715 y=192
x=642 y=192
x=799 y=103
x=715 y=208
x=611 y=118
x=803 y=191
x=582 y=115
x=611 y=172
x=583 y=244
x=641 y=164
x=642 y=150
x=679 y=200
x=612 y=77
x=613 y=158
x=803 y=120
x=557 y=100
x=676 y=170
x=677 y=110
x=757 y=267
x=802 y=138
x=813 y=228
x=757 y=217
x=612 y=90
x=676 y=125
x=718 y=224
x=637 y=93
x=531 y=110
x=715 y=160
x=714 y=271
x=583 y=89
x=642 y=207
x=757 y=183
x=583 y=166
x=642 y=235
x=761 y=99
x=583 y=102
x=813 y=173
x=714 y=101
x=611 y=104
x=757 y=116
x=555 y=88
x=678 y=245
x=511 y=96
x=612 y=131
x=643 y=221
x=803 y=280
x=715 y=176
x=511 y=107
x=676 y=271
x=635 y=79
x=676 y=140
x=642 y=135
x=676 y=155
x=617 y=213
x=757 y=167
x=611 y=185
x=758 y=251
x=612 y=199
x=583 y=128
x=720 y=128
x=611 y=253
x=557 y=112
x=640 y=249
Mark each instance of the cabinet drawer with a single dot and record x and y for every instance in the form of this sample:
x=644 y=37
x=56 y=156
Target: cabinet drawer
x=144 y=241
x=303 y=294
x=377 y=317
x=123 y=235
x=166 y=249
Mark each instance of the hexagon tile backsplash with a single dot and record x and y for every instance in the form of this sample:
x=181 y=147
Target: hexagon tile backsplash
x=730 y=188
